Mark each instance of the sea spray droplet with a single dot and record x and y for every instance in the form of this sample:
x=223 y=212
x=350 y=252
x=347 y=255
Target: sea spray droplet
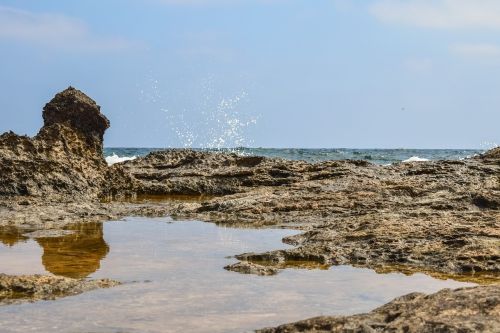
x=227 y=124
x=487 y=145
x=208 y=120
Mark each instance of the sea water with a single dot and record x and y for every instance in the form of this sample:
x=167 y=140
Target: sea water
x=377 y=156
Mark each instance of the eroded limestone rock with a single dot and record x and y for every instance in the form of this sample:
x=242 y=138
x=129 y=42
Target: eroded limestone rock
x=64 y=159
x=246 y=267
x=30 y=288
x=462 y=310
x=440 y=216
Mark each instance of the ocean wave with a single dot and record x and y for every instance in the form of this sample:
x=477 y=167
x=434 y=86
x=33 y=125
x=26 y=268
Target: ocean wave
x=415 y=159
x=113 y=159
x=376 y=156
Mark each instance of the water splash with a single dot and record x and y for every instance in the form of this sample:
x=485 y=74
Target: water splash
x=209 y=120
x=113 y=159
x=487 y=145
x=150 y=93
x=226 y=125
x=415 y=159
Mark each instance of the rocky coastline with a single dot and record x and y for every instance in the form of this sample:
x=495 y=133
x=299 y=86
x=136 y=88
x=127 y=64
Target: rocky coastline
x=30 y=288
x=460 y=310
x=440 y=217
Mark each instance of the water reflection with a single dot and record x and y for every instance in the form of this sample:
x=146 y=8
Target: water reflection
x=75 y=255
x=10 y=236
x=187 y=289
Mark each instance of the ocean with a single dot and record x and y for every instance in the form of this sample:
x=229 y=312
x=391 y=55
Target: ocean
x=376 y=156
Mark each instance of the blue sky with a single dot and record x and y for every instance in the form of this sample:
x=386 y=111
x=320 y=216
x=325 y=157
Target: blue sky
x=263 y=73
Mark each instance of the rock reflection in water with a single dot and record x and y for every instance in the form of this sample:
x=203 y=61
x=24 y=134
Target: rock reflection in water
x=76 y=252
x=76 y=255
x=174 y=281
x=10 y=236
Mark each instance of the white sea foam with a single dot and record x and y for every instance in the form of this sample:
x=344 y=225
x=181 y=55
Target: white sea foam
x=113 y=159
x=415 y=159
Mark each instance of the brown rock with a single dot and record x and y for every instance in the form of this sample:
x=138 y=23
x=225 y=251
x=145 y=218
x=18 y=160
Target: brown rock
x=439 y=217
x=76 y=110
x=492 y=154
x=462 y=310
x=245 y=267
x=64 y=159
x=30 y=288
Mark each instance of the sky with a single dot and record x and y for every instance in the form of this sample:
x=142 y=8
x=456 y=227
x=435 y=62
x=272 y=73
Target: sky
x=260 y=73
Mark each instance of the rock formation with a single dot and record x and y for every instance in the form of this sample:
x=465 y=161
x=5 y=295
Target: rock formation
x=440 y=217
x=460 y=310
x=64 y=159
x=491 y=155
x=30 y=288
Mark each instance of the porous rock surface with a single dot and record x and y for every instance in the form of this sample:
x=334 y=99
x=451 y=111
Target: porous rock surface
x=246 y=267
x=64 y=158
x=439 y=217
x=464 y=310
x=30 y=288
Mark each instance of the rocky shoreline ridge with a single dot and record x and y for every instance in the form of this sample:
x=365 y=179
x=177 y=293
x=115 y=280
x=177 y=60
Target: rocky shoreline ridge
x=438 y=217
x=30 y=288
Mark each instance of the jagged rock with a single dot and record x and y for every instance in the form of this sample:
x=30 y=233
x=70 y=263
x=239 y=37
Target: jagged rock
x=73 y=108
x=246 y=267
x=64 y=158
x=441 y=217
x=492 y=154
x=185 y=171
x=462 y=310
x=30 y=288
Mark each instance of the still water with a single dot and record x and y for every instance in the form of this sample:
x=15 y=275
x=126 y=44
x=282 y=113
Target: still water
x=174 y=280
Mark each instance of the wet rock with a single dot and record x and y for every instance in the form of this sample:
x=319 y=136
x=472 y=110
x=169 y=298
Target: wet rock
x=462 y=310
x=245 y=267
x=430 y=216
x=439 y=217
x=30 y=288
